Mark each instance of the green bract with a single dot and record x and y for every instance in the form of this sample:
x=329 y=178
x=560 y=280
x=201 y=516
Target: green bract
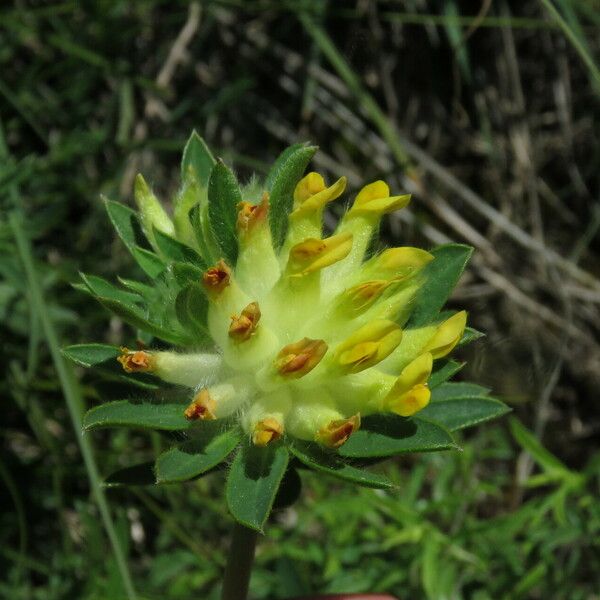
x=289 y=348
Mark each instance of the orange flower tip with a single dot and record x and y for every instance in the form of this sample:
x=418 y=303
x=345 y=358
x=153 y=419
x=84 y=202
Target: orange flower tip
x=136 y=361
x=250 y=215
x=266 y=431
x=217 y=278
x=337 y=432
x=297 y=359
x=201 y=408
x=244 y=326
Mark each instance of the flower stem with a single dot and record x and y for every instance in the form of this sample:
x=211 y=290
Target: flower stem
x=239 y=563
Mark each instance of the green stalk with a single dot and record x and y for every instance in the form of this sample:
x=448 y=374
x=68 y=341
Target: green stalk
x=239 y=563
x=72 y=396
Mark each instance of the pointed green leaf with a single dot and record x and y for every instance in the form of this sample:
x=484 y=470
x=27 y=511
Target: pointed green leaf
x=197 y=456
x=172 y=249
x=124 y=220
x=136 y=475
x=105 y=289
x=209 y=249
x=191 y=306
x=136 y=318
x=223 y=197
x=185 y=273
x=458 y=389
x=282 y=180
x=441 y=276
x=279 y=162
x=149 y=262
x=143 y=415
x=470 y=335
x=88 y=355
x=253 y=482
x=198 y=158
x=459 y=413
x=330 y=464
x=387 y=435
x=444 y=371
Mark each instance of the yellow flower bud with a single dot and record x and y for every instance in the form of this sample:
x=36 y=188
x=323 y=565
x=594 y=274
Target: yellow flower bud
x=447 y=335
x=311 y=195
x=313 y=254
x=367 y=346
x=410 y=393
x=398 y=262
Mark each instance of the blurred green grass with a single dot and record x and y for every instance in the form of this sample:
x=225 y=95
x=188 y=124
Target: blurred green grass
x=505 y=100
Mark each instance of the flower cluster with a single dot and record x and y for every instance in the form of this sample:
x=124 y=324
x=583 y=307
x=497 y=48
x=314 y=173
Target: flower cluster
x=307 y=338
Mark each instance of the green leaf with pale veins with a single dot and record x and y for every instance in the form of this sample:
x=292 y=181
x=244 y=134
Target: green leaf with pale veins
x=330 y=464
x=172 y=249
x=459 y=413
x=88 y=355
x=124 y=220
x=458 y=389
x=441 y=276
x=281 y=182
x=142 y=415
x=470 y=335
x=387 y=435
x=104 y=289
x=198 y=159
x=149 y=262
x=197 y=456
x=253 y=482
x=191 y=307
x=445 y=369
x=223 y=198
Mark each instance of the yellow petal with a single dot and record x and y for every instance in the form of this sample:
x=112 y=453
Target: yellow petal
x=307 y=200
x=367 y=346
x=410 y=402
x=400 y=261
x=375 y=199
x=415 y=373
x=266 y=431
x=313 y=254
x=447 y=335
x=308 y=186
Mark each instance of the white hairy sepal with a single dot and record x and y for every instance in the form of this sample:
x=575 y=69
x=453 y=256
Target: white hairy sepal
x=311 y=413
x=362 y=392
x=412 y=345
x=257 y=268
x=190 y=370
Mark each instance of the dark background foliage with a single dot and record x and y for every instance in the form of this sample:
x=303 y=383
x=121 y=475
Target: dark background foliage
x=486 y=111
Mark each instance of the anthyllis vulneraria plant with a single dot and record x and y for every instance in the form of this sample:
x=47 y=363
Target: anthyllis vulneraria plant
x=260 y=335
